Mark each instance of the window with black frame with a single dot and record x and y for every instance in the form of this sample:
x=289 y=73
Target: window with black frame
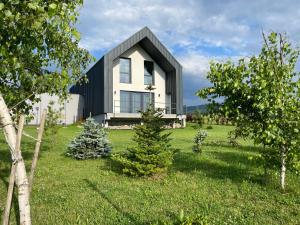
x=125 y=70
x=148 y=73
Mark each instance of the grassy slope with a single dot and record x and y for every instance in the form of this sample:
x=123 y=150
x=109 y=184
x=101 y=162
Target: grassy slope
x=222 y=184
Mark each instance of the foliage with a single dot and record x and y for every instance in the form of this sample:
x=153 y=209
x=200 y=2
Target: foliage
x=186 y=220
x=198 y=141
x=52 y=120
x=262 y=98
x=39 y=50
x=209 y=127
x=152 y=153
x=91 y=143
x=232 y=137
x=190 y=220
x=197 y=118
x=189 y=117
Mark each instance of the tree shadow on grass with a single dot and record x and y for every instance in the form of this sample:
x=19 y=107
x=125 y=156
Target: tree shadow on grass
x=227 y=169
x=234 y=158
x=242 y=148
x=27 y=148
x=94 y=187
x=112 y=165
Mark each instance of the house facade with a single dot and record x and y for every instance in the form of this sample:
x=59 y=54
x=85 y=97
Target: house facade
x=117 y=84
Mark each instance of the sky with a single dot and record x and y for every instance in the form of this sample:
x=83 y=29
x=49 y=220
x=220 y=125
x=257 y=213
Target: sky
x=194 y=31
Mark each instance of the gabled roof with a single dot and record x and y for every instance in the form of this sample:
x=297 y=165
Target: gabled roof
x=150 y=43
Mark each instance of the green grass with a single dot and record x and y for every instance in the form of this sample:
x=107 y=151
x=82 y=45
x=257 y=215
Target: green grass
x=222 y=184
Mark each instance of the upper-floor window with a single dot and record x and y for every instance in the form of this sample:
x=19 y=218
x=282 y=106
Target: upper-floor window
x=148 y=73
x=125 y=70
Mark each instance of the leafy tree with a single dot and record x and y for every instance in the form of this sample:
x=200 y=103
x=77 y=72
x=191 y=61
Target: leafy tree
x=262 y=99
x=35 y=35
x=152 y=153
x=91 y=143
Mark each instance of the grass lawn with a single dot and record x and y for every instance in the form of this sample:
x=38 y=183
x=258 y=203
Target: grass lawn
x=222 y=184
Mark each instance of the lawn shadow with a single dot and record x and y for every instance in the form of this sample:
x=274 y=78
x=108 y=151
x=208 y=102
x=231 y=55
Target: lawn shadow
x=27 y=149
x=94 y=187
x=189 y=162
x=243 y=148
x=112 y=165
x=233 y=157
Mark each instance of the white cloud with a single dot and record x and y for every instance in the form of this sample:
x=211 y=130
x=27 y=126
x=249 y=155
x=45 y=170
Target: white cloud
x=230 y=24
x=194 y=31
x=194 y=64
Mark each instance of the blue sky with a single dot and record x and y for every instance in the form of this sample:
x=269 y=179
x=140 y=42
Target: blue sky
x=195 y=31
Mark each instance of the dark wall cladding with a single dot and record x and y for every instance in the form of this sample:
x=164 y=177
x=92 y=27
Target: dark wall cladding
x=93 y=91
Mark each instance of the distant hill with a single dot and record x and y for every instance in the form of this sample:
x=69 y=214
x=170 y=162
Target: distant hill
x=201 y=108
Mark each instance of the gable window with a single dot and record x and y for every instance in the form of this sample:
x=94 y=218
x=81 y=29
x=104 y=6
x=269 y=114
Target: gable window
x=125 y=70
x=148 y=73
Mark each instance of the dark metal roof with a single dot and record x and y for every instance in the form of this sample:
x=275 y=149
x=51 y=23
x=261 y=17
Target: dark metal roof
x=150 y=43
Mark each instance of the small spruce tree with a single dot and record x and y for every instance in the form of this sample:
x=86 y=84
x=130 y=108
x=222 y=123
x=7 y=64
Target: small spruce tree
x=152 y=153
x=91 y=143
x=52 y=124
x=198 y=141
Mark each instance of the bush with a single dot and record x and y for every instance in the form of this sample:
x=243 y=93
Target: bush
x=52 y=123
x=91 y=143
x=198 y=118
x=189 y=117
x=152 y=152
x=209 y=127
x=198 y=141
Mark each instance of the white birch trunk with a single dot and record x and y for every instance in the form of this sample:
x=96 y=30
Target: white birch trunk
x=12 y=175
x=283 y=168
x=21 y=177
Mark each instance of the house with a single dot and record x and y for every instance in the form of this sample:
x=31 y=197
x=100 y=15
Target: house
x=116 y=88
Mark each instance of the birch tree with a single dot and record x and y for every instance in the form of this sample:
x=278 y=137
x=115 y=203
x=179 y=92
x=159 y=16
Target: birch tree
x=262 y=97
x=35 y=35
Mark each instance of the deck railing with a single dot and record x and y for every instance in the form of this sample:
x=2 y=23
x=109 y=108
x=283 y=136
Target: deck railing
x=137 y=106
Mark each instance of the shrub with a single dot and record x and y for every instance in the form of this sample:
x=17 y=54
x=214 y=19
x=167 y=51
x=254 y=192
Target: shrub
x=91 y=143
x=198 y=141
x=52 y=123
x=152 y=152
x=209 y=127
x=198 y=118
x=189 y=117
x=233 y=136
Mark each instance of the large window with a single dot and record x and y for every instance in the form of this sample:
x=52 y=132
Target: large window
x=125 y=102
x=148 y=73
x=125 y=70
x=133 y=102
